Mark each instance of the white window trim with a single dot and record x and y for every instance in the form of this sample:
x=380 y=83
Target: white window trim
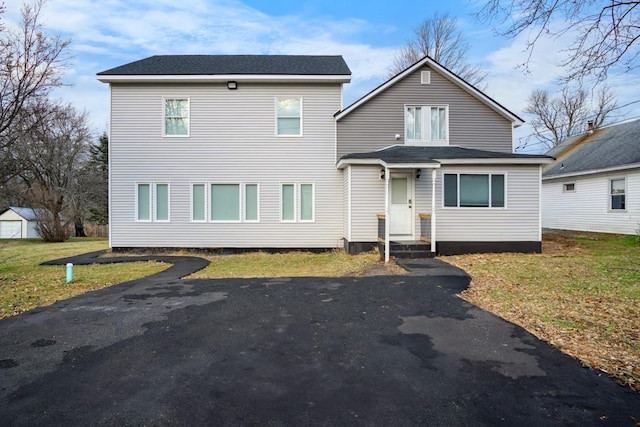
x=426 y=125
x=135 y=213
x=564 y=187
x=164 y=116
x=154 y=198
x=313 y=202
x=616 y=178
x=275 y=103
x=225 y=221
x=481 y=208
x=206 y=202
x=295 y=203
x=244 y=202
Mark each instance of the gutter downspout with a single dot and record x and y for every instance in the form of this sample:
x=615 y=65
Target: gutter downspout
x=433 y=210
x=387 y=246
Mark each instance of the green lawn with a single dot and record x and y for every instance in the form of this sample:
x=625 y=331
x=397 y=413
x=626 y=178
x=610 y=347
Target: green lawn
x=24 y=284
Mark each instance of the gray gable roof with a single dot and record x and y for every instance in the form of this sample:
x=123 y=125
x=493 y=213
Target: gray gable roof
x=612 y=146
x=419 y=154
x=162 y=65
x=30 y=214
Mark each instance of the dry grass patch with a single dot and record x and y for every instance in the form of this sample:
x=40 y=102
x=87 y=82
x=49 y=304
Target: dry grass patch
x=582 y=295
x=295 y=264
x=25 y=284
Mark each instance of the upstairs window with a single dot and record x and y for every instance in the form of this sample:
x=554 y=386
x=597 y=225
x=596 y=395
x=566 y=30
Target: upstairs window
x=617 y=191
x=426 y=124
x=289 y=116
x=176 y=117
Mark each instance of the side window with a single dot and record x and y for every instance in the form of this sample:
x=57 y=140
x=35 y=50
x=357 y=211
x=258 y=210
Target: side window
x=297 y=202
x=288 y=116
x=176 y=117
x=162 y=202
x=474 y=190
x=143 y=202
x=198 y=202
x=251 y=202
x=225 y=202
x=617 y=194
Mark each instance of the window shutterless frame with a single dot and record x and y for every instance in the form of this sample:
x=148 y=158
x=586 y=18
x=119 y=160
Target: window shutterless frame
x=618 y=194
x=426 y=124
x=307 y=209
x=288 y=202
x=251 y=202
x=225 y=202
x=289 y=116
x=491 y=185
x=162 y=204
x=143 y=201
x=176 y=113
x=198 y=199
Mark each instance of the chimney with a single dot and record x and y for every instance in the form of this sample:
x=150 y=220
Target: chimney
x=590 y=127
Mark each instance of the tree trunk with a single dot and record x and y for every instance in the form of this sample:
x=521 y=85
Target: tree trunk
x=79 y=226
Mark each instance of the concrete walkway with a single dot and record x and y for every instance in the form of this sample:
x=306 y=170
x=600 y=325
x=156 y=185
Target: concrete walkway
x=389 y=351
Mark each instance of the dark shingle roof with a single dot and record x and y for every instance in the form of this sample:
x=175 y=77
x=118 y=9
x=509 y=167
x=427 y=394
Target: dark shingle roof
x=608 y=147
x=163 y=65
x=420 y=154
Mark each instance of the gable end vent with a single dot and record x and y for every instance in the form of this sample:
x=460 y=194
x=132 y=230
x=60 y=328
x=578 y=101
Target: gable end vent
x=425 y=77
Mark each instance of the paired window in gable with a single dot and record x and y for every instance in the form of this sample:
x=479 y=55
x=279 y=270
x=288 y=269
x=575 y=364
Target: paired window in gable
x=426 y=124
x=176 y=117
x=617 y=192
x=152 y=202
x=226 y=202
x=289 y=116
x=297 y=202
x=474 y=190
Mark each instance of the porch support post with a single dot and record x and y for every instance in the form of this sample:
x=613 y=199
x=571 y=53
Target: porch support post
x=433 y=210
x=387 y=246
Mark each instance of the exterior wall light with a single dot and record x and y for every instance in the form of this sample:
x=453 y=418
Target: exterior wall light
x=232 y=85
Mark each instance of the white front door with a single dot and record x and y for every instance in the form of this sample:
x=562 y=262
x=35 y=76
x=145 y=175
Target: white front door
x=401 y=204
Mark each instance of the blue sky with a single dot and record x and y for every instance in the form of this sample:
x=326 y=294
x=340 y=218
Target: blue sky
x=108 y=33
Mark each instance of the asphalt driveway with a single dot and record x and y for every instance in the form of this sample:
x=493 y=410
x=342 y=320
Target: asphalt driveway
x=391 y=351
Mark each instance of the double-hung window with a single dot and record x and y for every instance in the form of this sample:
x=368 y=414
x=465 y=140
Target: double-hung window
x=617 y=194
x=297 y=202
x=474 y=190
x=152 y=202
x=288 y=116
x=176 y=117
x=426 y=125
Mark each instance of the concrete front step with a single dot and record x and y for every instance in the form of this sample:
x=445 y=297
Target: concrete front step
x=408 y=250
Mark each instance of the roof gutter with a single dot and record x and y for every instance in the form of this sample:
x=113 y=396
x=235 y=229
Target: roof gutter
x=592 y=171
x=222 y=78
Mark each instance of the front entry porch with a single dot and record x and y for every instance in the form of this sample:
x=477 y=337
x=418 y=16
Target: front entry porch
x=403 y=248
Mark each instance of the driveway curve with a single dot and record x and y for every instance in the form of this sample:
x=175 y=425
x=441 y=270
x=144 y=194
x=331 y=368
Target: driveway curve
x=385 y=350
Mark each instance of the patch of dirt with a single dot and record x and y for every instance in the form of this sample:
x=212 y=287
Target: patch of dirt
x=382 y=269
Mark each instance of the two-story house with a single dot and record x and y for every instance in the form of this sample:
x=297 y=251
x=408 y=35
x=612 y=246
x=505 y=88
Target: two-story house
x=255 y=151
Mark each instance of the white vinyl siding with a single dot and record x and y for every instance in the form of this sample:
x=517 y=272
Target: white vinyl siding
x=288 y=116
x=176 y=117
x=217 y=152
x=588 y=208
x=521 y=222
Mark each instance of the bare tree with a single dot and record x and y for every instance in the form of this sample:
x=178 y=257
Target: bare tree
x=557 y=118
x=606 y=31
x=30 y=66
x=439 y=38
x=52 y=156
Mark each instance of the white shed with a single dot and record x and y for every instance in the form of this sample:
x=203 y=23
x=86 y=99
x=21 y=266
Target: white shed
x=18 y=223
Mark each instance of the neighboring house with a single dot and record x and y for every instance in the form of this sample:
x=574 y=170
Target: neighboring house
x=594 y=184
x=254 y=151
x=18 y=223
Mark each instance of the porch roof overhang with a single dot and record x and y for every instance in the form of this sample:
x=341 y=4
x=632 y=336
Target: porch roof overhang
x=414 y=156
